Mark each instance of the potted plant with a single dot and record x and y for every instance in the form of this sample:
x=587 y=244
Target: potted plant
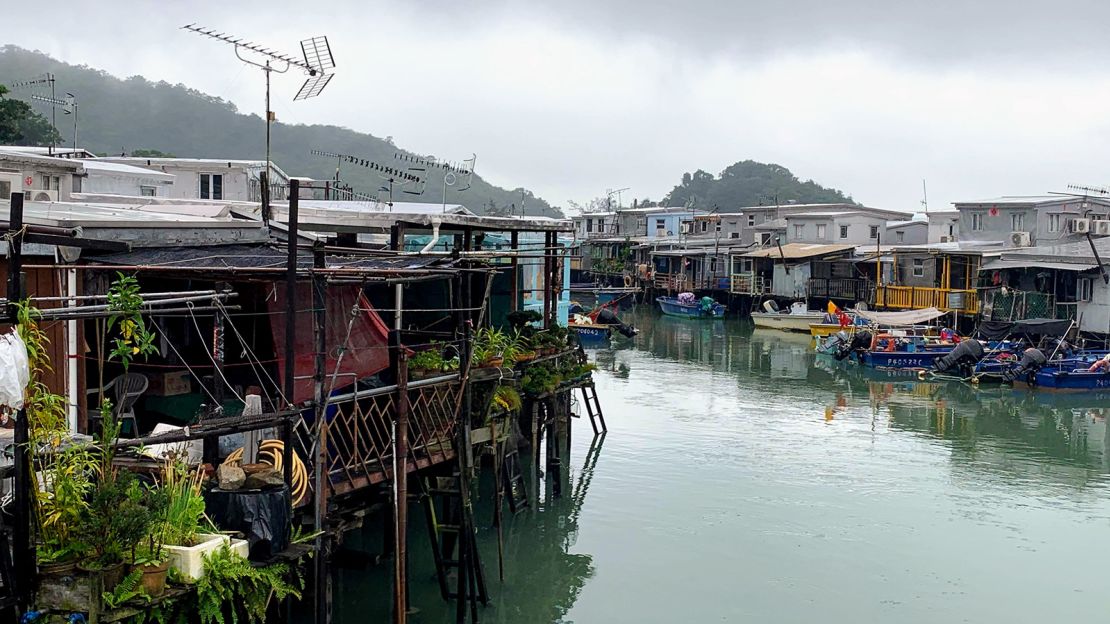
x=506 y=398
x=425 y=362
x=184 y=542
x=149 y=556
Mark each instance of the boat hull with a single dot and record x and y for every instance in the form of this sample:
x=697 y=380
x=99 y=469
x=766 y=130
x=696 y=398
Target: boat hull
x=1071 y=380
x=671 y=307
x=901 y=359
x=787 y=322
x=592 y=334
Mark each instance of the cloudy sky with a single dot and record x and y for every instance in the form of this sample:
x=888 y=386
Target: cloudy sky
x=574 y=97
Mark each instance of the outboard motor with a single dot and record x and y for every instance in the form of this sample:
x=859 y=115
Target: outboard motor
x=961 y=359
x=607 y=317
x=1031 y=361
x=770 y=307
x=860 y=342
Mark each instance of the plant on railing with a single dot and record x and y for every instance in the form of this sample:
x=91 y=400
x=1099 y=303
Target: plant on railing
x=125 y=304
x=492 y=347
x=506 y=399
x=540 y=379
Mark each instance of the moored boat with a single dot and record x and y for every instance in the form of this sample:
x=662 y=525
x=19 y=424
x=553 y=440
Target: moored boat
x=686 y=306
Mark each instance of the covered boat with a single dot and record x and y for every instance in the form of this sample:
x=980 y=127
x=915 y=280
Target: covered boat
x=686 y=305
x=797 y=318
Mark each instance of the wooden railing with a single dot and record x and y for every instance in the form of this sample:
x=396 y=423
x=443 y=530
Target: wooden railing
x=676 y=282
x=916 y=297
x=749 y=284
x=839 y=288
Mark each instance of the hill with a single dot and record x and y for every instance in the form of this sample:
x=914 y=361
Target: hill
x=749 y=183
x=137 y=114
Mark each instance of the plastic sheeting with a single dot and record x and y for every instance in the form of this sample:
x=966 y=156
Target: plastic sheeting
x=262 y=516
x=906 y=317
x=15 y=370
x=996 y=330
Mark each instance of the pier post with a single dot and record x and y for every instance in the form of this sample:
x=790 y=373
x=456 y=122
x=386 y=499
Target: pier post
x=514 y=246
x=319 y=322
x=400 y=470
x=23 y=556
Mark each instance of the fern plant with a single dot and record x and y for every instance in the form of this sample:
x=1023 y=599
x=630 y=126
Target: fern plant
x=128 y=589
x=232 y=588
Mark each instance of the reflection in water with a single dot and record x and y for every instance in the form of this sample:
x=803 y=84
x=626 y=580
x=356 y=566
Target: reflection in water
x=747 y=479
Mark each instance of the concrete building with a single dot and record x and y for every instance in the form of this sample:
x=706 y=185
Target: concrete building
x=944 y=226
x=761 y=224
x=43 y=178
x=655 y=222
x=912 y=232
x=1024 y=221
x=212 y=178
x=594 y=224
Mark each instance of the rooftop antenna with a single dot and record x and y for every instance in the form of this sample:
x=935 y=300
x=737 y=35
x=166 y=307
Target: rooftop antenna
x=69 y=107
x=40 y=81
x=339 y=159
x=924 y=196
x=453 y=173
x=1089 y=190
x=316 y=60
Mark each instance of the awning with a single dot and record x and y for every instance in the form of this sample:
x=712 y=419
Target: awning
x=1033 y=263
x=996 y=330
x=906 y=317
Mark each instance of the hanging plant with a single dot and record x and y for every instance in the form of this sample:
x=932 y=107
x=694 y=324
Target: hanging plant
x=134 y=337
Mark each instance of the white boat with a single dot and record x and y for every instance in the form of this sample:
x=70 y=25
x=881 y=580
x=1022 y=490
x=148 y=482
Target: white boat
x=798 y=318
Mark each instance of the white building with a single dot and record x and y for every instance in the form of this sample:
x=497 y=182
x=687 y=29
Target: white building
x=213 y=178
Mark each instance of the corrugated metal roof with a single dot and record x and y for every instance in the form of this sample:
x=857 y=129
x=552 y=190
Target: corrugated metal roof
x=798 y=251
x=261 y=256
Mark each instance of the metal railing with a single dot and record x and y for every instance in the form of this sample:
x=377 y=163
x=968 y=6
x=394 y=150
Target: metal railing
x=916 y=297
x=839 y=288
x=749 y=284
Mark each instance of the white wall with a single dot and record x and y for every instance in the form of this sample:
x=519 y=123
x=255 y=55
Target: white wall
x=122 y=184
x=1094 y=315
x=187 y=182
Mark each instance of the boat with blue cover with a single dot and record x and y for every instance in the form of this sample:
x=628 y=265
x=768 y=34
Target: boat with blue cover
x=685 y=305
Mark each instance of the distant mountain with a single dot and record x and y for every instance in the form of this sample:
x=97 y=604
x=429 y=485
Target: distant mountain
x=749 y=183
x=137 y=114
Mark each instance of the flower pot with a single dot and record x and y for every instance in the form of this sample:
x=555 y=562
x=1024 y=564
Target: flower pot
x=154 y=578
x=111 y=575
x=241 y=547
x=493 y=362
x=58 y=569
x=189 y=560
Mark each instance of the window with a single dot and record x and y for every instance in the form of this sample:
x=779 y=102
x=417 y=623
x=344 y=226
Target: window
x=660 y=224
x=712 y=265
x=589 y=225
x=5 y=190
x=641 y=223
x=751 y=220
x=765 y=238
x=211 y=186
x=148 y=191
x=919 y=267
x=734 y=235
x=1054 y=222
x=900 y=236
x=799 y=230
x=844 y=231
x=820 y=231
x=1083 y=289
x=717 y=226
x=704 y=226
x=1017 y=222
x=976 y=222
x=874 y=231
x=951 y=231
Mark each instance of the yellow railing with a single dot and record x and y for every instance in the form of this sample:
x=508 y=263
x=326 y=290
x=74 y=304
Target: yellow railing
x=749 y=284
x=915 y=297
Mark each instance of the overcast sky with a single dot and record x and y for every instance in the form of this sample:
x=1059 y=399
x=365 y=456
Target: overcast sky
x=574 y=97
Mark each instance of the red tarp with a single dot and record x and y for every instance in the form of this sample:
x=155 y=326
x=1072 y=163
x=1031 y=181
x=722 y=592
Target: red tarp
x=366 y=351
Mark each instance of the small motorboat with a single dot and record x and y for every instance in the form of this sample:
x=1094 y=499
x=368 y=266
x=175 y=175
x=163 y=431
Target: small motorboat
x=597 y=325
x=686 y=305
x=798 y=318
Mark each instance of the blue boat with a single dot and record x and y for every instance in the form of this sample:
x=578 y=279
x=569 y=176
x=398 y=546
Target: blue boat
x=903 y=359
x=672 y=306
x=1068 y=379
x=592 y=334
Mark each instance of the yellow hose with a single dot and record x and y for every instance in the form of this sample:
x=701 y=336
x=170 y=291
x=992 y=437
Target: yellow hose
x=271 y=452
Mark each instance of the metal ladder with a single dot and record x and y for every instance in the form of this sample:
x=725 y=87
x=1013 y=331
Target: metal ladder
x=513 y=487
x=453 y=541
x=593 y=409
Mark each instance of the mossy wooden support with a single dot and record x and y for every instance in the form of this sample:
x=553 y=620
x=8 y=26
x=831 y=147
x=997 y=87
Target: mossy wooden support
x=554 y=460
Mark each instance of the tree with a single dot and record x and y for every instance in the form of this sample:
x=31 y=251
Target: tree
x=21 y=125
x=151 y=153
x=749 y=183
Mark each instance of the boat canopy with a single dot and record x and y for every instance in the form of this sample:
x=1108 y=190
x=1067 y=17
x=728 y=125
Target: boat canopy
x=997 y=330
x=905 y=317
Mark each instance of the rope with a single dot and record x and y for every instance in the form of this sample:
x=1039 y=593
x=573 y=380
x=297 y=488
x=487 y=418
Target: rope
x=215 y=366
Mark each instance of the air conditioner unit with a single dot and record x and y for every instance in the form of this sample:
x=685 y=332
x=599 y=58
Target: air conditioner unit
x=1101 y=228
x=1080 y=226
x=43 y=196
x=1020 y=239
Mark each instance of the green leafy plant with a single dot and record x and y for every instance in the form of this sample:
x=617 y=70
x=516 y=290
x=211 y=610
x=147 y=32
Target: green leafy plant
x=540 y=379
x=491 y=344
x=184 y=504
x=232 y=589
x=128 y=589
x=125 y=304
x=427 y=360
x=506 y=398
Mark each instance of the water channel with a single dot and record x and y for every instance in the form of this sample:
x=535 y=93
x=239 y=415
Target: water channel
x=746 y=479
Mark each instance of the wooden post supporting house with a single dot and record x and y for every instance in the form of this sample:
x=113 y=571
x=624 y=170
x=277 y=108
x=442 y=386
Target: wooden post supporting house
x=319 y=328
x=23 y=555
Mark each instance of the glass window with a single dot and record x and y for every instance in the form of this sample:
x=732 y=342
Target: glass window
x=874 y=231
x=820 y=231
x=977 y=221
x=1017 y=222
x=901 y=236
x=1054 y=222
x=1083 y=289
x=844 y=231
x=799 y=230
x=751 y=220
x=211 y=186
x=148 y=191
x=919 y=267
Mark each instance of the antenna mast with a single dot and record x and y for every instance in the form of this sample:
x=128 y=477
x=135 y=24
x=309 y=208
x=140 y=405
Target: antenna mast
x=316 y=60
x=924 y=196
x=44 y=79
x=69 y=107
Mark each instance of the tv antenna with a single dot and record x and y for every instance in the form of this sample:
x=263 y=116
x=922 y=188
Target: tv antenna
x=391 y=175
x=1089 y=190
x=924 y=196
x=41 y=81
x=453 y=173
x=316 y=61
x=69 y=107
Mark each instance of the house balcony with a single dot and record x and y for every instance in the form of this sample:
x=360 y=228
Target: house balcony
x=918 y=297
x=749 y=284
x=853 y=289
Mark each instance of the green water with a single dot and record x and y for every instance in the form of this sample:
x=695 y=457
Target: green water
x=745 y=479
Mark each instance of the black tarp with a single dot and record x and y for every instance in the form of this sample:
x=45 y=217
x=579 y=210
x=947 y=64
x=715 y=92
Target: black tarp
x=262 y=516
x=997 y=330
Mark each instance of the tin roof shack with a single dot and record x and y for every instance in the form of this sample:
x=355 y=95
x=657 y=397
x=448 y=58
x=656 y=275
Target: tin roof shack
x=91 y=228
x=696 y=266
x=214 y=178
x=1023 y=221
x=783 y=270
x=941 y=275
x=1062 y=281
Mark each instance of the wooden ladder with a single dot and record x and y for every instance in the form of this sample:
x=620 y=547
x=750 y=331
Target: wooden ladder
x=513 y=487
x=451 y=532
